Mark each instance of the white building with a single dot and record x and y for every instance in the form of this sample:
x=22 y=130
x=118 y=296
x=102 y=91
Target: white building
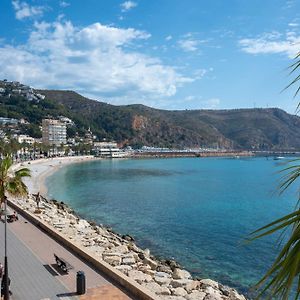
x=23 y=121
x=40 y=96
x=54 y=132
x=4 y=121
x=66 y=120
x=26 y=139
x=108 y=150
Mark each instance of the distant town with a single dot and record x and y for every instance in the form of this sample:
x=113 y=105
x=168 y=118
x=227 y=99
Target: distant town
x=56 y=141
x=10 y=88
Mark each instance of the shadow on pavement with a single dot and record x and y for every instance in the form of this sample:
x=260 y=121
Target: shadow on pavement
x=67 y=295
x=50 y=270
x=56 y=268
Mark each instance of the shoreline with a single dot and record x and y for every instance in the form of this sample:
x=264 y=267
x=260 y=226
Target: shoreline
x=45 y=167
x=166 y=278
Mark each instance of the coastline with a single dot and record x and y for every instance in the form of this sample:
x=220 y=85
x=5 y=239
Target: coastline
x=174 y=154
x=166 y=279
x=43 y=168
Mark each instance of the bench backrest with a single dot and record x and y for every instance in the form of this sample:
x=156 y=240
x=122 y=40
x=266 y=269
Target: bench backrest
x=62 y=261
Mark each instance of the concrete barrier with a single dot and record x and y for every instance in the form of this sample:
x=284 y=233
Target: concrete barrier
x=128 y=284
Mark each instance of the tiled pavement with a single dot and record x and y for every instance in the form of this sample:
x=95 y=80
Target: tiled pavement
x=29 y=279
x=106 y=292
x=34 y=275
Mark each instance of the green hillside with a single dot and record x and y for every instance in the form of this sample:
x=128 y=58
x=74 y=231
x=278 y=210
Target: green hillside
x=258 y=129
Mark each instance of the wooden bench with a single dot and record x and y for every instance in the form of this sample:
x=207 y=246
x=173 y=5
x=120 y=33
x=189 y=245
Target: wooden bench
x=12 y=218
x=62 y=263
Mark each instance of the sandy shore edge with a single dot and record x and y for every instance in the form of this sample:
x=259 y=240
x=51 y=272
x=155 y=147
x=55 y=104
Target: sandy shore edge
x=43 y=168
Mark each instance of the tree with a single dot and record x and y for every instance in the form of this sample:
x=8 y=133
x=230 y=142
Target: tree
x=10 y=183
x=284 y=274
x=11 y=147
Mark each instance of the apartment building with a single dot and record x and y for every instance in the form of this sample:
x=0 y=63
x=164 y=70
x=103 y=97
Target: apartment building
x=54 y=132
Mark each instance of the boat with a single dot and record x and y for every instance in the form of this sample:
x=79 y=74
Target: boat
x=278 y=157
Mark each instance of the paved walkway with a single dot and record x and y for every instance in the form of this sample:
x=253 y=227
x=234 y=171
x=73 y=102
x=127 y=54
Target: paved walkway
x=29 y=278
x=34 y=274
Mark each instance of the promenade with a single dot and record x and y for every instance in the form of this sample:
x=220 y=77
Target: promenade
x=34 y=274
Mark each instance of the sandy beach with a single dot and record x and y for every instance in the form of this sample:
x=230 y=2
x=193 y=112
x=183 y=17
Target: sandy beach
x=42 y=168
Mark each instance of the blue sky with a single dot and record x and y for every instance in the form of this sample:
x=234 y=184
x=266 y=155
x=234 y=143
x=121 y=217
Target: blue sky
x=169 y=54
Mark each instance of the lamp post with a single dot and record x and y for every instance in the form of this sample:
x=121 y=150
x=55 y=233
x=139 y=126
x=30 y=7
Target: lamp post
x=5 y=277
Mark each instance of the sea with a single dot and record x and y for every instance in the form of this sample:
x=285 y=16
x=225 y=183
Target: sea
x=198 y=211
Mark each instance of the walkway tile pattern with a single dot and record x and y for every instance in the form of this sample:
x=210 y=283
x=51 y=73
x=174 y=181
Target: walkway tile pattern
x=107 y=292
x=34 y=274
x=29 y=279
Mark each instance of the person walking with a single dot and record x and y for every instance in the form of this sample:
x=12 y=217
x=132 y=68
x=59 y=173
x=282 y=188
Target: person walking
x=1 y=270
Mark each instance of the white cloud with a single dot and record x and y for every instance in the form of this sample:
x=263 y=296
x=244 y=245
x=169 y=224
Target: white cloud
x=24 y=10
x=128 y=5
x=272 y=43
x=64 y=3
x=293 y=24
x=190 y=98
x=195 y=102
x=169 y=37
x=189 y=43
x=98 y=60
x=212 y=103
x=198 y=74
x=192 y=102
x=290 y=4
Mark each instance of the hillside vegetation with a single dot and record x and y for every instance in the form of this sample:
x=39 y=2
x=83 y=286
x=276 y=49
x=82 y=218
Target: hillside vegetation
x=137 y=125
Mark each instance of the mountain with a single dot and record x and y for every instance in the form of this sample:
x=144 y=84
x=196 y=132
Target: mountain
x=254 y=129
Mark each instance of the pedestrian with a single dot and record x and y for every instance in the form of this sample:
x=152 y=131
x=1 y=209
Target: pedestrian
x=15 y=216
x=1 y=270
x=38 y=200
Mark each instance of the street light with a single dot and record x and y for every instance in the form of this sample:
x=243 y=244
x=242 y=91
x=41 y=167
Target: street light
x=5 y=277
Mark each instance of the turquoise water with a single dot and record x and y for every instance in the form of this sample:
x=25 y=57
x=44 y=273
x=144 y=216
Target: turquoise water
x=195 y=210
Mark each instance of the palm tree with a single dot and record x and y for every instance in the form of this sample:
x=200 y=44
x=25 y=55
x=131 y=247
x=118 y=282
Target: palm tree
x=11 y=147
x=10 y=183
x=284 y=273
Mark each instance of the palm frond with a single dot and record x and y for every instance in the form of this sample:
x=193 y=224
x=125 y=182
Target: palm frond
x=5 y=165
x=24 y=172
x=11 y=182
x=284 y=273
x=281 y=276
x=16 y=187
x=293 y=68
x=292 y=173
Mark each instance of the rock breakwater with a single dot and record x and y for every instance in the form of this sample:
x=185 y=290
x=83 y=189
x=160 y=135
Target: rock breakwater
x=165 y=278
